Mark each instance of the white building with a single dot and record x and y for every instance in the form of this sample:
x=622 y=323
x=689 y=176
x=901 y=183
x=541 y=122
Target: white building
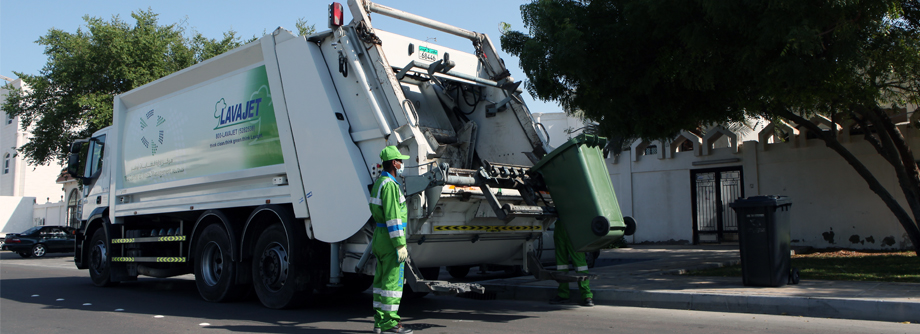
x=25 y=189
x=680 y=191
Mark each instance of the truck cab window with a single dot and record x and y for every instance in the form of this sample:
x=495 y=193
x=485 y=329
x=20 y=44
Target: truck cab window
x=94 y=160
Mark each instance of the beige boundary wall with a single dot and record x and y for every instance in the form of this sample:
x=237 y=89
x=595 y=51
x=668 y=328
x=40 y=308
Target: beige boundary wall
x=832 y=206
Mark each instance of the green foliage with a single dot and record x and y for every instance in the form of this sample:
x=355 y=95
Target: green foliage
x=653 y=68
x=71 y=97
x=303 y=29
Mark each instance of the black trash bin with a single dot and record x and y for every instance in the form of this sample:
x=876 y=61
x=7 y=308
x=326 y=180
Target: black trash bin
x=763 y=223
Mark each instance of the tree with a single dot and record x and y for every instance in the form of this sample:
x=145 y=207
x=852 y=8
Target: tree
x=652 y=68
x=303 y=29
x=71 y=97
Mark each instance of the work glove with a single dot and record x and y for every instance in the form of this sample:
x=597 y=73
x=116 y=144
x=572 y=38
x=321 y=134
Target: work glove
x=402 y=254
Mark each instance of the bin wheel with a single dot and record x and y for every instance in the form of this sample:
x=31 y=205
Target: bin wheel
x=794 y=276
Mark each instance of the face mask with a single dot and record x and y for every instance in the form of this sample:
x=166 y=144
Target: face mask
x=399 y=172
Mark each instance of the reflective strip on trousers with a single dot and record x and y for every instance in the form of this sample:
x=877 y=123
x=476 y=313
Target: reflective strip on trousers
x=386 y=307
x=583 y=268
x=563 y=267
x=388 y=293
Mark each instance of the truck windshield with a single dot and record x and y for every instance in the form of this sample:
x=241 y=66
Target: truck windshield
x=94 y=160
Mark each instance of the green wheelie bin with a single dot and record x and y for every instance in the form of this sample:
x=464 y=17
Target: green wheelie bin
x=579 y=184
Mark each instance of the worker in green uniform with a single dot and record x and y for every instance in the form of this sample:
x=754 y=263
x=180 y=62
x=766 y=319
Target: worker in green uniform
x=564 y=251
x=388 y=207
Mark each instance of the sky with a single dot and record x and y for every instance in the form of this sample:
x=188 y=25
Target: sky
x=23 y=22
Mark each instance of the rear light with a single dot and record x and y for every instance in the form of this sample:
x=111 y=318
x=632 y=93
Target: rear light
x=13 y=241
x=336 y=15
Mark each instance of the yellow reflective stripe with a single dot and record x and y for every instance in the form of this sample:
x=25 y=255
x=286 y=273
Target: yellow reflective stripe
x=486 y=228
x=149 y=259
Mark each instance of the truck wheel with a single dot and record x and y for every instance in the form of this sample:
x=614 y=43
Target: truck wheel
x=458 y=271
x=99 y=265
x=215 y=272
x=278 y=281
x=39 y=250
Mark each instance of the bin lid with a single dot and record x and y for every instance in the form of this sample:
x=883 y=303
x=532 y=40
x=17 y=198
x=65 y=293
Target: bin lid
x=761 y=201
x=586 y=139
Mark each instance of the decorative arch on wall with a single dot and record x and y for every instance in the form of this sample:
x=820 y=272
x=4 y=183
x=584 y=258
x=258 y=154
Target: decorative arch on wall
x=716 y=132
x=769 y=131
x=685 y=136
x=638 y=146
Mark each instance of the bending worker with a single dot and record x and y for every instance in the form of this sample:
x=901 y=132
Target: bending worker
x=388 y=207
x=564 y=251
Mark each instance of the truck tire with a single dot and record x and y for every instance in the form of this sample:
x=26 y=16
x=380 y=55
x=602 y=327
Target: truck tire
x=215 y=272
x=458 y=271
x=279 y=282
x=99 y=265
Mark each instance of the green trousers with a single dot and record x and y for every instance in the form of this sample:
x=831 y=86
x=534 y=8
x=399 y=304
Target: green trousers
x=388 y=281
x=564 y=251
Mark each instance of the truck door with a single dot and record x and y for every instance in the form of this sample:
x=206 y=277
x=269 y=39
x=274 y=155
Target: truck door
x=95 y=181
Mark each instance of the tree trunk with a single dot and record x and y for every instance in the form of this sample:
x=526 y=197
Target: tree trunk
x=909 y=224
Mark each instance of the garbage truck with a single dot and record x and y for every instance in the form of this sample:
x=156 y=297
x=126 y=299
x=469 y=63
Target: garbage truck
x=252 y=170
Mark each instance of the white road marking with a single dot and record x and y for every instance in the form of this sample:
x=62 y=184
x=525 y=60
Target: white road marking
x=60 y=299
x=204 y=324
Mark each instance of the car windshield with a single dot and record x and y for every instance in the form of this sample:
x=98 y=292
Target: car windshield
x=31 y=230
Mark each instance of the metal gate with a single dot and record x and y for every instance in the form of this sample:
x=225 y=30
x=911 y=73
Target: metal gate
x=713 y=189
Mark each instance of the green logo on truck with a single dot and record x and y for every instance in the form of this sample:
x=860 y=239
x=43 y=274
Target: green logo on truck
x=151 y=130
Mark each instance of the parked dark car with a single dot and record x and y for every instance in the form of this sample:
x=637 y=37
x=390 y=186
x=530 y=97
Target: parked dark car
x=40 y=240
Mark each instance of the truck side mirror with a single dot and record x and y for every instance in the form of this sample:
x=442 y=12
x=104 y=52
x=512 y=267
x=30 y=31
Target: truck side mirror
x=73 y=164
x=76 y=146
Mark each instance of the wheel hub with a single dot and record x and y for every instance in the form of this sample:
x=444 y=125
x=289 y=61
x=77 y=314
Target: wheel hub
x=273 y=266
x=39 y=250
x=98 y=257
x=212 y=263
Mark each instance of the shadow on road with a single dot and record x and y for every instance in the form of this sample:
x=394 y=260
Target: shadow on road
x=178 y=297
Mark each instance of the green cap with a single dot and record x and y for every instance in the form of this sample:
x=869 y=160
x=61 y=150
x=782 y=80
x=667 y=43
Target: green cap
x=392 y=153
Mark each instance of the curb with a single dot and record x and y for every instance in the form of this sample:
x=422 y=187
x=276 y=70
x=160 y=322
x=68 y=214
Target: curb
x=856 y=309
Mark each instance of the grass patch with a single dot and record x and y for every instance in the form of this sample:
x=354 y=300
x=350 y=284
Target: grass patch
x=843 y=266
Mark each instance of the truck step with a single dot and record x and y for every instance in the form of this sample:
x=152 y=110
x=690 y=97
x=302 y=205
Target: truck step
x=169 y=238
x=149 y=259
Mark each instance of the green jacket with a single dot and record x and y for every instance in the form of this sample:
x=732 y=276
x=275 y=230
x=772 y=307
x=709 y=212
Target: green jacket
x=388 y=207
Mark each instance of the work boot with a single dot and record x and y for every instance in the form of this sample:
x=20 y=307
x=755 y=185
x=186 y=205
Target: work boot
x=558 y=300
x=398 y=329
x=588 y=302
